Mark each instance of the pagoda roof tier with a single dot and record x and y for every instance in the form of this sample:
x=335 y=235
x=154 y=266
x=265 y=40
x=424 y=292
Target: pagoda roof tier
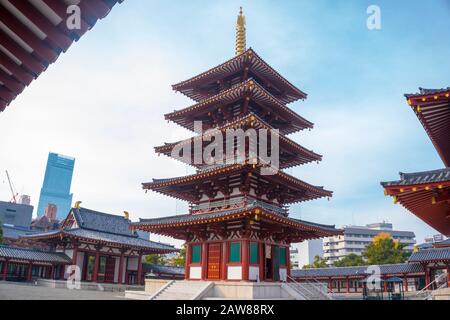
x=426 y=194
x=177 y=226
x=290 y=120
x=291 y=153
x=185 y=187
x=432 y=107
x=195 y=87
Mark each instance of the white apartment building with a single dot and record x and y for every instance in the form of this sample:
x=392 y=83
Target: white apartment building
x=357 y=238
x=303 y=253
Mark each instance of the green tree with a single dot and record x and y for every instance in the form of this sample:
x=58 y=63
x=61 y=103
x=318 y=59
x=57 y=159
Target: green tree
x=350 y=261
x=155 y=259
x=1 y=232
x=180 y=259
x=385 y=250
x=317 y=263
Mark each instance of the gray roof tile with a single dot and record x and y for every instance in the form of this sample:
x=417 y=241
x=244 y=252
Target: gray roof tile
x=433 y=254
x=33 y=255
x=387 y=269
x=432 y=176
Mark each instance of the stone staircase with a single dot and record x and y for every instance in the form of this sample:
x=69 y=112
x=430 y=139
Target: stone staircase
x=182 y=290
x=309 y=290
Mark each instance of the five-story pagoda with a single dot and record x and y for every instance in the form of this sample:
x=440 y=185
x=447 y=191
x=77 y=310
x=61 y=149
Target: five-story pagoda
x=238 y=226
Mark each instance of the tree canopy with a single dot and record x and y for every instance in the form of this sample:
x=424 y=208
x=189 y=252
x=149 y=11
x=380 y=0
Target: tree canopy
x=317 y=263
x=180 y=258
x=385 y=250
x=350 y=261
x=155 y=259
x=1 y=232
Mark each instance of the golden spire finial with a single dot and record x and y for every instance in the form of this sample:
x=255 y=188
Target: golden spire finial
x=240 y=33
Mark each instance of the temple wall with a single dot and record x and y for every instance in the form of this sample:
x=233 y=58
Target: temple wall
x=253 y=273
x=195 y=272
x=234 y=272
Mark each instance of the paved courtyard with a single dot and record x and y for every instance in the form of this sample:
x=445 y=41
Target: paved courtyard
x=18 y=291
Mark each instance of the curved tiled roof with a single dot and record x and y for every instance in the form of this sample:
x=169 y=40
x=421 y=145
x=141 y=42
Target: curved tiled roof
x=234 y=65
x=357 y=271
x=33 y=255
x=189 y=218
x=162 y=269
x=433 y=254
x=432 y=176
x=105 y=228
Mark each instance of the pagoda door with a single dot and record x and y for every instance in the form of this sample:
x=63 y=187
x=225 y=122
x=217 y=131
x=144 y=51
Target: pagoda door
x=110 y=267
x=276 y=263
x=214 y=261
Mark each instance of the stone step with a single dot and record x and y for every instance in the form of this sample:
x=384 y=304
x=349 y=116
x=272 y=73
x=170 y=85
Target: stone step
x=137 y=295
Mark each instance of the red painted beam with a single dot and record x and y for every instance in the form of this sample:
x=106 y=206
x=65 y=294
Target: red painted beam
x=3 y=105
x=18 y=71
x=6 y=95
x=61 y=10
x=11 y=83
x=54 y=35
x=98 y=8
x=39 y=46
x=25 y=57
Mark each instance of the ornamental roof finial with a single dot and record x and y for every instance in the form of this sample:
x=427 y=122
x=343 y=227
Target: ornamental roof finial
x=240 y=33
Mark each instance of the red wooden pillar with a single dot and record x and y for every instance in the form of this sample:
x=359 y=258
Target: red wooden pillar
x=52 y=272
x=448 y=275
x=120 y=276
x=61 y=271
x=348 y=285
x=187 y=261
x=74 y=258
x=5 y=270
x=385 y=284
x=204 y=260
x=330 y=285
x=262 y=260
x=139 y=271
x=30 y=272
x=288 y=261
x=427 y=277
x=96 y=264
x=245 y=260
x=223 y=271
x=405 y=282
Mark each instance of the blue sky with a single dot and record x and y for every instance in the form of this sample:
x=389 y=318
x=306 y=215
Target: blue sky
x=103 y=101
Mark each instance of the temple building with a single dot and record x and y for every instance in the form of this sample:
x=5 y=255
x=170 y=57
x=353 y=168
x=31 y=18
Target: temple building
x=238 y=226
x=90 y=246
x=427 y=194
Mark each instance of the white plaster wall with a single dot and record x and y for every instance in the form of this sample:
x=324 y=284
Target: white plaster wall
x=253 y=273
x=133 y=264
x=124 y=269
x=234 y=273
x=195 y=272
x=116 y=269
x=283 y=274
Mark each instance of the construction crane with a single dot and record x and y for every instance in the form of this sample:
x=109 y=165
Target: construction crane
x=14 y=194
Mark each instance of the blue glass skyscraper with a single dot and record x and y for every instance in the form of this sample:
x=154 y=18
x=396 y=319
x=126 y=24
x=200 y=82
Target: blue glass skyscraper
x=56 y=186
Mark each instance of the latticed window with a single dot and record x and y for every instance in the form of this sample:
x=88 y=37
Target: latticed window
x=196 y=253
x=282 y=256
x=235 y=252
x=253 y=252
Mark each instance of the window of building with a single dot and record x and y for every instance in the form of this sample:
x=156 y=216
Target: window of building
x=282 y=256
x=196 y=253
x=254 y=252
x=235 y=252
